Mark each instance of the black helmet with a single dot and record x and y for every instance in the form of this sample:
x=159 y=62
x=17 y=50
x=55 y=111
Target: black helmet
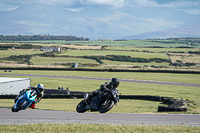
x=115 y=82
x=40 y=87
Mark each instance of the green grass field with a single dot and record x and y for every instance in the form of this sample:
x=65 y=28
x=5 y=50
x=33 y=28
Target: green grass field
x=95 y=128
x=135 y=48
x=131 y=43
x=6 y=53
x=168 y=77
x=153 y=49
x=124 y=106
x=125 y=88
x=124 y=64
x=139 y=47
x=105 y=52
x=51 y=60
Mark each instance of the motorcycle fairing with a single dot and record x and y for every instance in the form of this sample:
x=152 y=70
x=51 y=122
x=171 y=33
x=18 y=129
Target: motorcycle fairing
x=94 y=105
x=29 y=97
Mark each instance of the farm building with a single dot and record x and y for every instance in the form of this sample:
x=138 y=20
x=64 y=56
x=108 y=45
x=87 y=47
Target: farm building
x=13 y=85
x=50 y=49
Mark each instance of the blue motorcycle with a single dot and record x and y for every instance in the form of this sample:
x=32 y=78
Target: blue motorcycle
x=24 y=101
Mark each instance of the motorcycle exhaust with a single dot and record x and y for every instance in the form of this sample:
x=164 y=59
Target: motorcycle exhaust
x=86 y=97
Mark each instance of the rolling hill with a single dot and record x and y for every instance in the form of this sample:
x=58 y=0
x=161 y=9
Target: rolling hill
x=99 y=23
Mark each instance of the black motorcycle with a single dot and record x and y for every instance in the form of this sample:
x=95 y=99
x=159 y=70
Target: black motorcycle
x=102 y=102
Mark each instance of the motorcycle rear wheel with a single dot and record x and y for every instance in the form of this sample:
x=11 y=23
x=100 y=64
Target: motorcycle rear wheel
x=106 y=105
x=81 y=107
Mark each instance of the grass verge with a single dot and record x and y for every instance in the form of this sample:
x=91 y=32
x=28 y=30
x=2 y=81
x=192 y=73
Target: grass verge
x=124 y=106
x=95 y=128
x=167 y=77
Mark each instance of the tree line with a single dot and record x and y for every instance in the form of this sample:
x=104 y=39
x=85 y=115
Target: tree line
x=41 y=37
x=16 y=46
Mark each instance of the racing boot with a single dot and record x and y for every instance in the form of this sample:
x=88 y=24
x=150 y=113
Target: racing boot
x=32 y=106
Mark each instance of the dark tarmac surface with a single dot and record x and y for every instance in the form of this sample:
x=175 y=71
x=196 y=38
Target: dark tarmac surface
x=108 y=79
x=30 y=116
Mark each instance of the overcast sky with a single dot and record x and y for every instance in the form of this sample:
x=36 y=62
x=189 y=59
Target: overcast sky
x=189 y=6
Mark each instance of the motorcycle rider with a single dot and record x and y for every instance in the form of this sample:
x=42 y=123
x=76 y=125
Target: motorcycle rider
x=105 y=87
x=39 y=92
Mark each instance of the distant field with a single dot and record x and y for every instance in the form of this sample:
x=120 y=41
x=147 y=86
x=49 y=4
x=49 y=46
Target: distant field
x=131 y=43
x=82 y=46
x=105 y=52
x=154 y=49
x=120 y=63
x=51 y=60
x=134 y=43
x=6 y=53
x=185 y=58
x=133 y=48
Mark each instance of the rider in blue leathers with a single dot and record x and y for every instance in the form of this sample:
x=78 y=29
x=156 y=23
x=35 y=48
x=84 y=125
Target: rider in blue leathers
x=39 y=92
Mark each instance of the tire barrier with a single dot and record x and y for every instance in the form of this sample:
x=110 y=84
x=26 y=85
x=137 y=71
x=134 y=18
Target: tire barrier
x=142 y=97
x=8 y=96
x=167 y=100
x=173 y=105
x=171 y=109
x=63 y=92
x=63 y=96
x=55 y=92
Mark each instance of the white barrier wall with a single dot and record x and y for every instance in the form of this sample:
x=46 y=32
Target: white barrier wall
x=13 y=85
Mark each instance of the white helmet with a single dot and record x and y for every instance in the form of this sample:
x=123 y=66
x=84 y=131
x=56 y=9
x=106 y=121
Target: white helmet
x=40 y=87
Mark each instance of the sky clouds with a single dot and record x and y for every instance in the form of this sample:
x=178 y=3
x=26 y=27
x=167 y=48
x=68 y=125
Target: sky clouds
x=114 y=3
x=189 y=6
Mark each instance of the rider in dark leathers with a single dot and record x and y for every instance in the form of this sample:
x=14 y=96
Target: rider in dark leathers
x=106 y=87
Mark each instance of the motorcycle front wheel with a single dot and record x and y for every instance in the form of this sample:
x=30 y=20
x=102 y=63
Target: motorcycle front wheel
x=13 y=109
x=19 y=106
x=106 y=105
x=81 y=107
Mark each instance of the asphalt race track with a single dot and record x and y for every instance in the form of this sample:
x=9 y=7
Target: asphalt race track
x=107 y=79
x=48 y=116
